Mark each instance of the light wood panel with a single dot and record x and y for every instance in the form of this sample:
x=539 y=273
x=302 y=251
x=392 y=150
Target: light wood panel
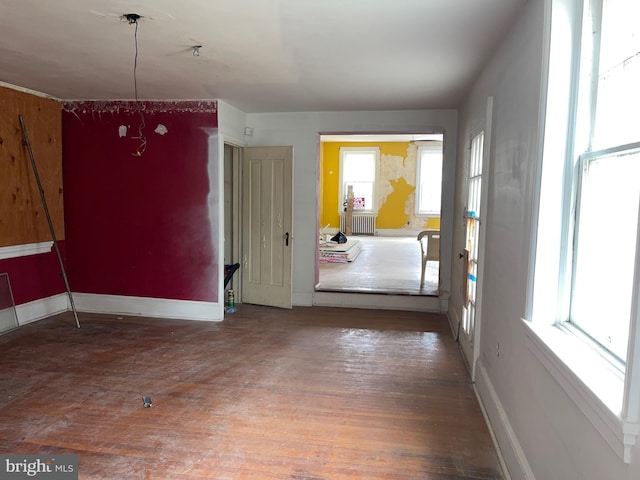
x=22 y=217
x=309 y=393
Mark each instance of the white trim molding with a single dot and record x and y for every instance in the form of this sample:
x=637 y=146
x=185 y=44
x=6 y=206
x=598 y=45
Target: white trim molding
x=509 y=449
x=14 y=251
x=397 y=232
x=149 y=307
x=600 y=401
x=414 y=303
x=42 y=308
x=454 y=322
x=27 y=90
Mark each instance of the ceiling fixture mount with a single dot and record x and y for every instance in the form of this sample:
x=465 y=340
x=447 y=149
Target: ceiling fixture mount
x=196 y=50
x=131 y=17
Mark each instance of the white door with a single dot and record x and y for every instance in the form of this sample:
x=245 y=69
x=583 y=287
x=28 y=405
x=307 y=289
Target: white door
x=475 y=216
x=266 y=225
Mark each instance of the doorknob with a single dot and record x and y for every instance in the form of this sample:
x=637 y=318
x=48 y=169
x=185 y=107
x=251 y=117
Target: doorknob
x=286 y=239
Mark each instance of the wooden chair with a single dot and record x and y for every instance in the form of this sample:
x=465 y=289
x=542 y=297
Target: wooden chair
x=430 y=251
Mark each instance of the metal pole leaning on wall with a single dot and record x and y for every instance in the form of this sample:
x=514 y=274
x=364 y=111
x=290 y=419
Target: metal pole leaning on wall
x=46 y=211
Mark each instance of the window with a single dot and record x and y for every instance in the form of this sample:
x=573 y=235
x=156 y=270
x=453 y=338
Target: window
x=358 y=168
x=473 y=233
x=586 y=283
x=429 y=179
x=607 y=212
x=608 y=188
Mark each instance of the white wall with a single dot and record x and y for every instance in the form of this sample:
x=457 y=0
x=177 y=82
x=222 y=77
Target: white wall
x=541 y=431
x=231 y=123
x=301 y=130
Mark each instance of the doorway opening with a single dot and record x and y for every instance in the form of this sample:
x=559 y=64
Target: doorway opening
x=232 y=158
x=381 y=191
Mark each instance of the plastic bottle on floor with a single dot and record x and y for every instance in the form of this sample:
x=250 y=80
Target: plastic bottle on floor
x=231 y=302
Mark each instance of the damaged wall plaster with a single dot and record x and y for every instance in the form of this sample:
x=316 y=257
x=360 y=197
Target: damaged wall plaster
x=396 y=186
x=115 y=107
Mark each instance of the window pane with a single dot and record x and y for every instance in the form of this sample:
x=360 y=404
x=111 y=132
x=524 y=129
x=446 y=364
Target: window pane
x=430 y=182
x=359 y=171
x=605 y=249
x=618 y=97
x=359 y=166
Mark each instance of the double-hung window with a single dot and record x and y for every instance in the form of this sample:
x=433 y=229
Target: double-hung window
x=359 y=169
x=586 y=283
x=429 y=179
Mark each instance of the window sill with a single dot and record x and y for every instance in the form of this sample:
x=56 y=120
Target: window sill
x=589 y=380
x=15 y=251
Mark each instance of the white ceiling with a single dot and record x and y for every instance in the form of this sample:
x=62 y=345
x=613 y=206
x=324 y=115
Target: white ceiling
x=258 y=55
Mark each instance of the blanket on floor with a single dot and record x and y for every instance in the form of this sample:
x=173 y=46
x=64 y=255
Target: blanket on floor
x=340 y=253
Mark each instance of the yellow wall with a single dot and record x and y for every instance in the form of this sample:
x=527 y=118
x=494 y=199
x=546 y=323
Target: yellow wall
x=395 y=189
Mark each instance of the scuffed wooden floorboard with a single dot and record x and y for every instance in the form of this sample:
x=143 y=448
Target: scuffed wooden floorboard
x=306 y=394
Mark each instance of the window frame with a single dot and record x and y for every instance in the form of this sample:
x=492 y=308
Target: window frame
x=607 y=395
x=610 y=155
x=427 y=146
x=342 y=194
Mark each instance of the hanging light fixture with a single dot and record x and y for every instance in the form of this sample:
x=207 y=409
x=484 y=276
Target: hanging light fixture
x=196 y=50
x=132 y=19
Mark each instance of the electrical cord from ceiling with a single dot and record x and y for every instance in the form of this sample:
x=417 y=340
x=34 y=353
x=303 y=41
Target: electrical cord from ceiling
x=132 y=18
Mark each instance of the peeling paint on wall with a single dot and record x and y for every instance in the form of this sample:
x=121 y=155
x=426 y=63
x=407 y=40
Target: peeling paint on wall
x=396 y=186
x=115 y=107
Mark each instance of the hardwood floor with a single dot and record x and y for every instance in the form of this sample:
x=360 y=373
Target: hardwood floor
x=385 y=265
x=307 y=394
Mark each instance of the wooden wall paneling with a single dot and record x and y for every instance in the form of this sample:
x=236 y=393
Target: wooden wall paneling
x=22 y=217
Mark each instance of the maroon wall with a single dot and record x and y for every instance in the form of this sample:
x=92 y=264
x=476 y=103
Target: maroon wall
x=140 y=225
x=35 y=277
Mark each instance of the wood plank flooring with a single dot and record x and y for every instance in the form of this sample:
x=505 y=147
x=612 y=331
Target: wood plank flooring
x=307 y=394
x=385 y=265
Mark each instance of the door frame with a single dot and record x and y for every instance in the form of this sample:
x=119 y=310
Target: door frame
x=471 y=347
x=237 y=232
x=355 y=139
x=235 y=164
x=270 y=294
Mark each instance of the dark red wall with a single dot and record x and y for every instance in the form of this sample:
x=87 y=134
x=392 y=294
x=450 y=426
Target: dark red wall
x=34 y=277
x=140 y=225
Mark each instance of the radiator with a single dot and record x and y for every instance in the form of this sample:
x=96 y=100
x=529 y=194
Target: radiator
x=360 y=224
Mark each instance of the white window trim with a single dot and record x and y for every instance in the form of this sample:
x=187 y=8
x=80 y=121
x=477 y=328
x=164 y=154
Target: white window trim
x=615 y=415
x=342 y=194
x=426 y=146
x=556 y=350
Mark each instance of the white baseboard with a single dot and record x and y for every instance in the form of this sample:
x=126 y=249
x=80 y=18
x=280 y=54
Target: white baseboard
x=443 y=299
x=302 y=299
x=149 y=307
x=515 y=464
x=397 y=232
x=418 y=303
x=454 y=321
x=42 y=308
